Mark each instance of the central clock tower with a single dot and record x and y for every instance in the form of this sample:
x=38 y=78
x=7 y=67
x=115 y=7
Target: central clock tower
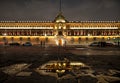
x=60 y=29
x=60 y=25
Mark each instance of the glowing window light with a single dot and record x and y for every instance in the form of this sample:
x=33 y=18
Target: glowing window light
x=26 y=27
x=57 y=43
x=64 y=27
x=93 y=27
x=77 y=63
x=45 y=34
x=4 y=34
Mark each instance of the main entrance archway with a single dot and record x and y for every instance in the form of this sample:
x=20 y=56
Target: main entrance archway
x=60 y=41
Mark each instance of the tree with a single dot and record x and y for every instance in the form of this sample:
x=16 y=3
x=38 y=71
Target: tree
x=21 y=39
x=87 y=39
x=5 y=40
x=46 y=39
x=12 y=39
x=37 y=40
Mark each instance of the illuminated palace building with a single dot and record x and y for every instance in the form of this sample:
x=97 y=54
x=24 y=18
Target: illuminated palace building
x=60 y=31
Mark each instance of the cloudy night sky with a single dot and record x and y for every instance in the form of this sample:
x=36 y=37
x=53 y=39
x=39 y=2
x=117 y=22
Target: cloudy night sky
x=73 y=10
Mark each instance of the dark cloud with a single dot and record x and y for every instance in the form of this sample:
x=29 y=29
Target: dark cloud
x=43 y=10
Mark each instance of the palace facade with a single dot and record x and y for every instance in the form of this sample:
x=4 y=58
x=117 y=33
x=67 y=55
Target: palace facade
x=60 y=31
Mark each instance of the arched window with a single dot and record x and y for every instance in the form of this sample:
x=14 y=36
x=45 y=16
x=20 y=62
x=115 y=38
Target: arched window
x=60 y=33
x=12 y=39
x=29 y=39
x=94 y=38
x=79 y=39
x=72 y=40
x=37 y=39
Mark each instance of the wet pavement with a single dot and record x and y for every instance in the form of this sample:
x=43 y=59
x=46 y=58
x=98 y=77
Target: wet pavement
x=18 y=64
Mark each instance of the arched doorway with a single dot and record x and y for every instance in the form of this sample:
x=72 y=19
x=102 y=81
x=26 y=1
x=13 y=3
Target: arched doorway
x=60 y=42
x=60 y=33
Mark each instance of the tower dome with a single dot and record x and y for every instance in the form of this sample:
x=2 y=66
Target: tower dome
x=60 y=18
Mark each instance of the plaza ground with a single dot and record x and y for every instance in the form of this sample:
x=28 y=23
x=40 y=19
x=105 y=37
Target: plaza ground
x=18 y=64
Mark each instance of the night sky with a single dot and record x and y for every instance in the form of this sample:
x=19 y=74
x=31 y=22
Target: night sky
x=73 y=10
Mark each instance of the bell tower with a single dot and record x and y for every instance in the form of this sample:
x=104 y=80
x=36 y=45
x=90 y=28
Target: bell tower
x=60 y=23
x=60 y=27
